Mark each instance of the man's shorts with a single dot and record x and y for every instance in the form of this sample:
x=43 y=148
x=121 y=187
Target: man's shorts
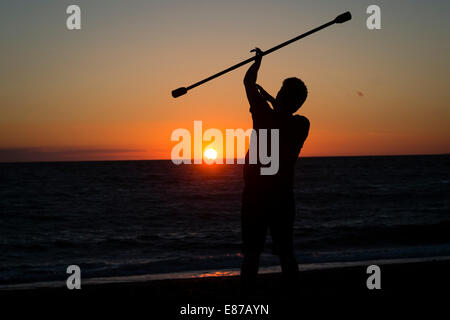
x=262 y=211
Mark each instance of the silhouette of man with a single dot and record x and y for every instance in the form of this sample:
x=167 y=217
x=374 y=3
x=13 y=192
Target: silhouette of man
x=268 y=200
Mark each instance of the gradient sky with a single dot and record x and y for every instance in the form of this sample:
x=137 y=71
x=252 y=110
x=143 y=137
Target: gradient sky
x=104 y=92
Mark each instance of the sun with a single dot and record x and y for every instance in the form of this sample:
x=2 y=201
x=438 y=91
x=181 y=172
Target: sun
x=210 y=154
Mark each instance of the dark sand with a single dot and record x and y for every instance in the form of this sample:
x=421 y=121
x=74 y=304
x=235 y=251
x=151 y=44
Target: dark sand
x=402 y=285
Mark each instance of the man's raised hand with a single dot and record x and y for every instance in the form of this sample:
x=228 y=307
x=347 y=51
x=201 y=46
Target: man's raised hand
x=258 y=53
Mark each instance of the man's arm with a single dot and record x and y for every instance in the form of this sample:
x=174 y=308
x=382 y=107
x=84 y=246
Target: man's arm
x=266 y=95
x=255 y=98
x=252 y=72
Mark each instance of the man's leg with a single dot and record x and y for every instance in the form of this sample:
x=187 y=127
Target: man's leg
x=282 y=229
x=254 y=228
x=289 y=266
x=249 y=270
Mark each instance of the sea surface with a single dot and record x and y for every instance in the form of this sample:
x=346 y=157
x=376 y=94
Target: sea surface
x=131 y=218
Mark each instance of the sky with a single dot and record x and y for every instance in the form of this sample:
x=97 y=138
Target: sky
x=103 y=92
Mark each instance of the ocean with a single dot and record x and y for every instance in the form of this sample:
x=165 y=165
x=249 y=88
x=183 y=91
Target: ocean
x=131 y=218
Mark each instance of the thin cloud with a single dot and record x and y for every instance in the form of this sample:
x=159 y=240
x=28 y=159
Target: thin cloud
x=55 y=154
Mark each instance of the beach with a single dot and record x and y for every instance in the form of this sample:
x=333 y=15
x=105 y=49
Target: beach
x=342 y=287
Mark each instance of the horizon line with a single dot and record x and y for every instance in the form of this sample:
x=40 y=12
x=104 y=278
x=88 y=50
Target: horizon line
x=234 y=159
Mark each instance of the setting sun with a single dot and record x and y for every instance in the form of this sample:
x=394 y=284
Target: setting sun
x=210 y=154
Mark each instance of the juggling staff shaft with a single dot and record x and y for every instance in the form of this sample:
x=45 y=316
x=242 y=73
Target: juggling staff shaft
x=339 y=19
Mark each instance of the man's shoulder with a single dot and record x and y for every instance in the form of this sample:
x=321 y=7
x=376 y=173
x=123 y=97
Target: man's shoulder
x=301 y=120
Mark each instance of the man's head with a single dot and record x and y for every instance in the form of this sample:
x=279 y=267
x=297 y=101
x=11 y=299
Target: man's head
x=291 y=96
